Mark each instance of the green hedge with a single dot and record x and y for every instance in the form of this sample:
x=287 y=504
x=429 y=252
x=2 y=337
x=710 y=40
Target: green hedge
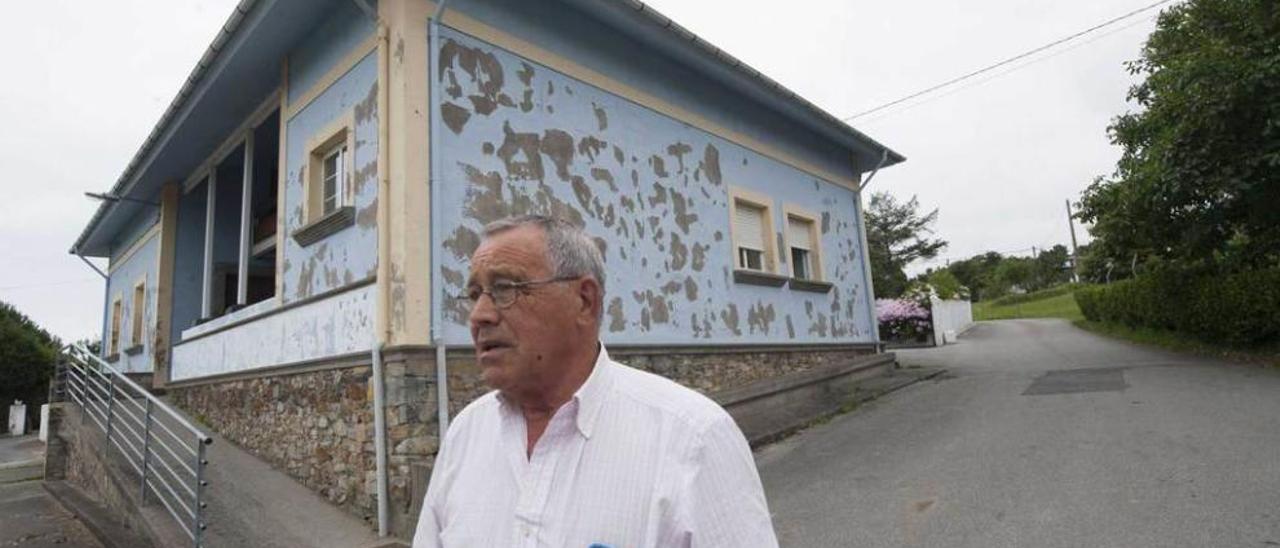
x=1237 y=309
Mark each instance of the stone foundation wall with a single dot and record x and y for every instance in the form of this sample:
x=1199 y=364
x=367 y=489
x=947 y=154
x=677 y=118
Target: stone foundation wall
x=707 y=370
x=317 y=427
x=317 y=424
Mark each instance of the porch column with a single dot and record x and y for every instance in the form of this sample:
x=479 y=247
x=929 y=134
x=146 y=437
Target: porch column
x=169 y=197
x=246 y=222
x=206 y=301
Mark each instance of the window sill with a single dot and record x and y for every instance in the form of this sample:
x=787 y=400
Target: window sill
x=323 y=227
x=815 y=286
x=113 y=358
x=133 y=350
x=756 y=277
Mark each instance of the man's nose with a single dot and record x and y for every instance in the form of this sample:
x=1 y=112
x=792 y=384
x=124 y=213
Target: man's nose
x=484 y=311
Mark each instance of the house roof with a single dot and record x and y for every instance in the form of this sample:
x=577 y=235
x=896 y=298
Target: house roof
x=214 y=98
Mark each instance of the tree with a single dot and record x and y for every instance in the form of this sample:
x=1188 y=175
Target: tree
x=27 y=355
x=1051 y=268
x=897 y=235
x=1198 y=183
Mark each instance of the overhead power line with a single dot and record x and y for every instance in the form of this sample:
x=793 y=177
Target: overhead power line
x=959 y=88
x=1013 y=59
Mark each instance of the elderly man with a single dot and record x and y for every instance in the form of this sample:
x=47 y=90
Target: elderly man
x=572 y=448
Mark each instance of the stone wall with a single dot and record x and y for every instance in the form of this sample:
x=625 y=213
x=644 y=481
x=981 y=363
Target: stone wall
x=316 y=422
x=317 y=426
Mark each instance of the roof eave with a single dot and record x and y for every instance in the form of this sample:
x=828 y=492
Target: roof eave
x=126 y=179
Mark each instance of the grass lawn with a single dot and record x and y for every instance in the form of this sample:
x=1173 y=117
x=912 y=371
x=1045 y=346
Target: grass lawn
x=1058 y=306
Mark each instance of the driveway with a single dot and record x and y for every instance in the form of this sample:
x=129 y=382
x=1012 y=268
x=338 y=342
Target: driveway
x=1042 y=435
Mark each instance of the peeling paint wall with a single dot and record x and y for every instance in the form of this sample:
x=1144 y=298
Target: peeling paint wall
x=340 y=265
x=140 y=265
x=350 y=255
x=566 y=31
x=519 y=137
x=330 y=327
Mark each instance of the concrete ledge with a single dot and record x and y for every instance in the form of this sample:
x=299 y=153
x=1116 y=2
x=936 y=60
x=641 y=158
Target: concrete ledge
x=784 y=403
x=846 y=398
x=13 y=472
x=97 y=519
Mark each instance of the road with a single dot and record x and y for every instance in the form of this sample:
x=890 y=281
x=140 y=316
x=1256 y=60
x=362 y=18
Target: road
x=31 y=518
x=1042 y=435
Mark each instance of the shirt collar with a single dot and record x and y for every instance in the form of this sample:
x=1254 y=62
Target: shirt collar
x=587 y=401
x=593 y=393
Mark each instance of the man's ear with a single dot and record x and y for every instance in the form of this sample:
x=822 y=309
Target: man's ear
x=590 y=299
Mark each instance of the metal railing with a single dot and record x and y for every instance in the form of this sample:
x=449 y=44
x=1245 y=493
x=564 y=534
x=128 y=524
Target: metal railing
x=166 y=450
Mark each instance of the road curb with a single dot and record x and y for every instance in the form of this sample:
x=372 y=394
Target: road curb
x=863 y=392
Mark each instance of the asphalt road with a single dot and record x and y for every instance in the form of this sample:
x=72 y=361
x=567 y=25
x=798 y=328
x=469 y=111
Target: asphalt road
x=1042 y=435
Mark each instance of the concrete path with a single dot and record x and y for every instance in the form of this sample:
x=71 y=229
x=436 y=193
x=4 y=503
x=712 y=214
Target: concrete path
x=31 y=518
x=1042 y=435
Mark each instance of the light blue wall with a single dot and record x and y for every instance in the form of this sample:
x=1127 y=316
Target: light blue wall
x=141 y=265
x=350 y=255
x=342 y=30
x=519 y=138
x=565 y=31
x=188 y=264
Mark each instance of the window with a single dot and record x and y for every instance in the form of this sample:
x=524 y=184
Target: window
x=804 y=248
x=113 y=340
x=329 y=169
x=328 y=206
x=755 y=247
x=800 y=240
x=136 y=316
x=749 y=229
x=333 y=175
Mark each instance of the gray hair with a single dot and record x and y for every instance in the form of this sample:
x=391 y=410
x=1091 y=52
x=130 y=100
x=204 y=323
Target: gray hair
x=570 y=251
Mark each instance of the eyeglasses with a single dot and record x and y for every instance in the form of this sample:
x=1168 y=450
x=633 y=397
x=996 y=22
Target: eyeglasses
x=504 y=294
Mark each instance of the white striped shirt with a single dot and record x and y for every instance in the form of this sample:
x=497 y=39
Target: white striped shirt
x=632 y=460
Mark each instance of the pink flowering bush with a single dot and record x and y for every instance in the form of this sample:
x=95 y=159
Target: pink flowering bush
x=902 y=320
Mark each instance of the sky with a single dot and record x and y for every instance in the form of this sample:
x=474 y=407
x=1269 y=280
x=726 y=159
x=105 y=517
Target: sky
x=86 y=81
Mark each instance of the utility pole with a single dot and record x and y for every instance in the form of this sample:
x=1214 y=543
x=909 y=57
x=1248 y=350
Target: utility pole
x=1075 y=257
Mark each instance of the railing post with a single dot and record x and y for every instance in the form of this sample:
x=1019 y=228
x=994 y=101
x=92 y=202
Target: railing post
x=146 y=448
x=111 y=402
x=198 y=529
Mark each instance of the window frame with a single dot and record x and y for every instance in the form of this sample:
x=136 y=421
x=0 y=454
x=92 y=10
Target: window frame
x=769 y=260
x=789 y=212
x=336 y=138
x=137 y=314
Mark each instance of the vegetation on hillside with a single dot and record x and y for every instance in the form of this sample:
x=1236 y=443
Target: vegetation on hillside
x=27 y=355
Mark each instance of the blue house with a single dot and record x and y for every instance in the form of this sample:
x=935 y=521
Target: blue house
x=296 y=228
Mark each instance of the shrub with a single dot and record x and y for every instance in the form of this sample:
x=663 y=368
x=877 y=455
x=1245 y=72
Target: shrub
x=1236 y=309
x=902 y=319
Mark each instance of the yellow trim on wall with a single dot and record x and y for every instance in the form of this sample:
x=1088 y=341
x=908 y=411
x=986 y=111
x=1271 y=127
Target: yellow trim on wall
x=528 y=50
x=762 y=201
x=343 y=66
x=282 y=179
x=789 y=212
x=134 y=247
